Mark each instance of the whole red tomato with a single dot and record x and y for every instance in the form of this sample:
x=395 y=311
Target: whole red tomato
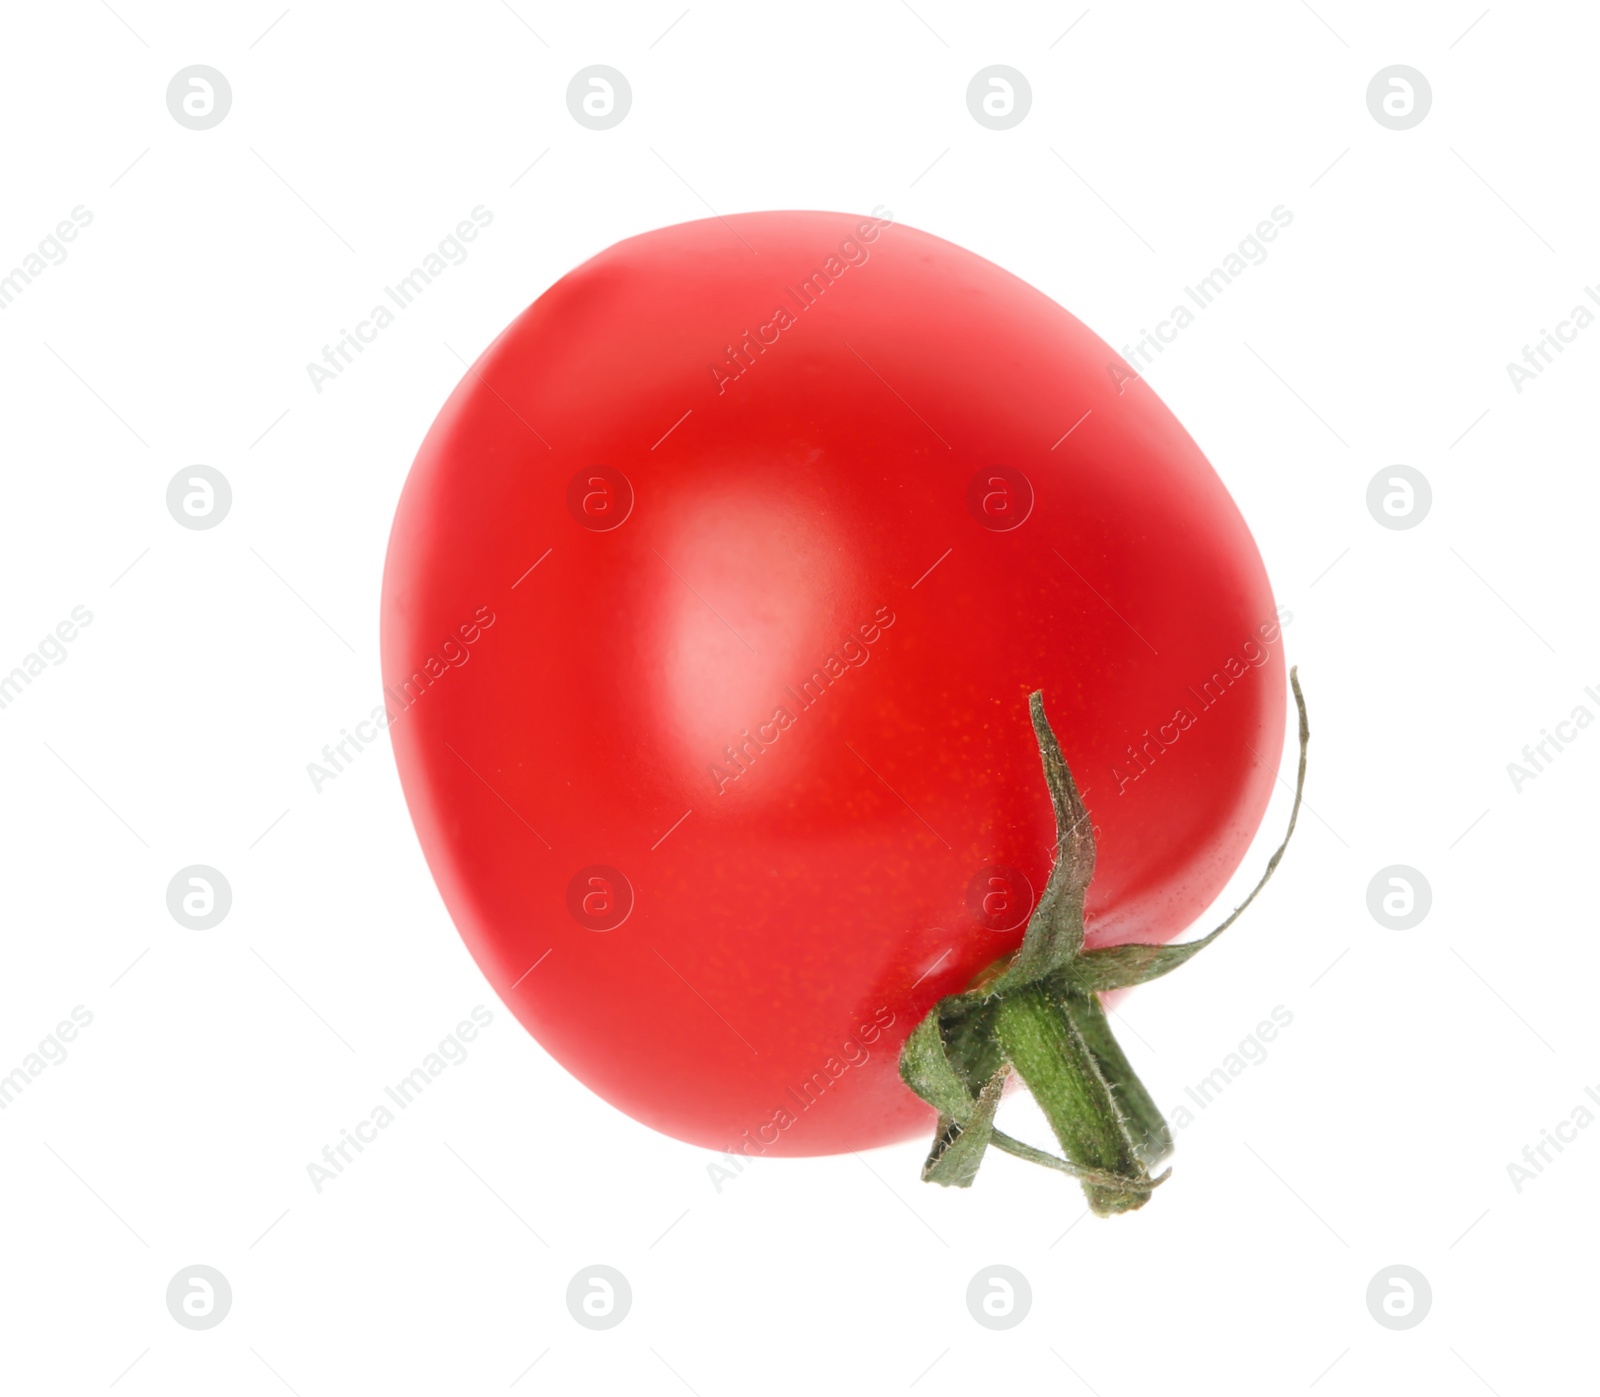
x=711 y=612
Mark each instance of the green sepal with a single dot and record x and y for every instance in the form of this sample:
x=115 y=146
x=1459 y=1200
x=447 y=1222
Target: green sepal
x=1055 y=930
x=966 y=1117
x=967 y=1026
x=1118 y=967
x=1001 y=1141
x=959 y=1144
x=926 y=1069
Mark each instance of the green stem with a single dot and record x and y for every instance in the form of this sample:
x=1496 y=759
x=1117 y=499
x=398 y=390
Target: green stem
x=1152 y=1140
x=1059 y=1068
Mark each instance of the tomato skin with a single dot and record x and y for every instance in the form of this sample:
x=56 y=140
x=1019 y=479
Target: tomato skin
x=658 y=597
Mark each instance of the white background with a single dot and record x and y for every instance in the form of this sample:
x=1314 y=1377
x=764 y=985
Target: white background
x=177 y=731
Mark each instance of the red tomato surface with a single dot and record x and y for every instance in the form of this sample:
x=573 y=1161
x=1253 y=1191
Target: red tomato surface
x=724 y=461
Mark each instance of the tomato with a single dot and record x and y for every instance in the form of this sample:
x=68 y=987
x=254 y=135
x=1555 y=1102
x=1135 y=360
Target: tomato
x=711 y=611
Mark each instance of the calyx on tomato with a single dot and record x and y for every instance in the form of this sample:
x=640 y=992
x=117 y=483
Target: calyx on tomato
x=1039 y=1014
